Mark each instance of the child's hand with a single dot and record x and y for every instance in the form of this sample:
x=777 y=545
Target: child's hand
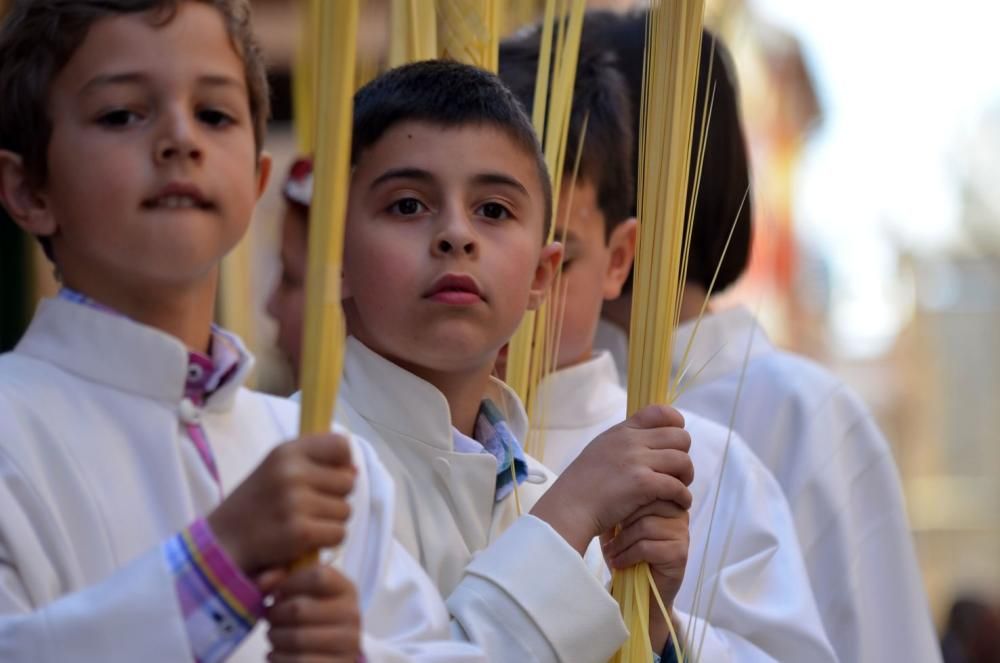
x=314 y=617
x=634 y=464
x=657 y=534
x=293 y=504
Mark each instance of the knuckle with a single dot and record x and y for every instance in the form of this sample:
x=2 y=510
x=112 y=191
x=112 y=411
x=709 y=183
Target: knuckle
x=350 y=593
x=648 y=416
x=643 y=481
x=662 y=412
x=682 y=439
x=278 y=453
x=295 y=611
x=282 y=455
x=681 y=466
x=292 y=472
x=648 y=528
x=301 y=534
x=289 y=505
x=664 y=415
x=320 y=577
x=346 y=478
x=689 y=471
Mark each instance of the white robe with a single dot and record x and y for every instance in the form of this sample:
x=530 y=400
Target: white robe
x=763 y=609
x=97 y=471
x=837 y=471
x=514 y=586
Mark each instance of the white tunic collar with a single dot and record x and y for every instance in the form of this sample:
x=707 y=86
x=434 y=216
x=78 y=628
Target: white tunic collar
x=120 y=353
x=582 y=395
x=720 y=344
x=398 y=400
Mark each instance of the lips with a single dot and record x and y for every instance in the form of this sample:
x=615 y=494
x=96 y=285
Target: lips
x=178 y=195
x=455 y=290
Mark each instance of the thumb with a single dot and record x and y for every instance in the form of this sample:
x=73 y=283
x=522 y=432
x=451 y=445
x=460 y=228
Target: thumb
x=656 y=416
x=269 y=580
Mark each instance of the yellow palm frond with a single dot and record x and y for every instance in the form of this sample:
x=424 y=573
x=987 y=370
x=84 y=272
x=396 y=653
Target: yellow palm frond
x=323 y=343
x=412 y=31
x=532 y=344
x=673 y=49
x=469 y=31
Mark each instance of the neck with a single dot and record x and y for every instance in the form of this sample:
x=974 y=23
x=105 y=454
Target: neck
x=568 y=362
x=464 y=391
x=619 y=311
x=183 y=312
x=692 y=301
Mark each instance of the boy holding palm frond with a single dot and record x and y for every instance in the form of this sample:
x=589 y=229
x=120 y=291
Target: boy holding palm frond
x=811 y=430
x=753 y=602
x=444 y=252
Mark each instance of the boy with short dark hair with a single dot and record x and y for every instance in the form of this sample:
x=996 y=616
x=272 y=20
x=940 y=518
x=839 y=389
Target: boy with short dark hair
x=811 y=430
x=765 y=611
x=133 y=525
x=444 y=251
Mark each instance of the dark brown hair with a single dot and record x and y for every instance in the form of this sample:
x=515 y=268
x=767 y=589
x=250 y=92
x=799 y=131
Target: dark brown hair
x=601 y=99
x=39 y=37
x=725 y=176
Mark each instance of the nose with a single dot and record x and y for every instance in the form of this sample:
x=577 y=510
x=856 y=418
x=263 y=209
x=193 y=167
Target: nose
x=177 y=139
x=455 y=235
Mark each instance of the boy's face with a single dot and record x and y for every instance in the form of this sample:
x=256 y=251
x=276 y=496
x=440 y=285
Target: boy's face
x=443 y=249
x=152 y=166
x=287 y=301
x=594 y=270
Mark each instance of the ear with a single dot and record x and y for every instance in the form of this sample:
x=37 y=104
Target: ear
x=621 y=252
x=545 y=272
x=27 y=207
x=264 y=164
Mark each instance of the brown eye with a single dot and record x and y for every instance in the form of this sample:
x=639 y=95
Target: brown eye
x=215 y=118
x=494 y=211
x=118 y=118
x=407 y=207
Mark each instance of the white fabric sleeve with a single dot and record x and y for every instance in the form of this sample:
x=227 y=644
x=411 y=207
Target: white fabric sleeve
x=531 y=597
x=131 y=616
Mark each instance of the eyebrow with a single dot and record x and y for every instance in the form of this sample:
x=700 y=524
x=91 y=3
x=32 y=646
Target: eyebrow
x=425 y=176
x=402 y=174
x=139 y=78
x=501 y=179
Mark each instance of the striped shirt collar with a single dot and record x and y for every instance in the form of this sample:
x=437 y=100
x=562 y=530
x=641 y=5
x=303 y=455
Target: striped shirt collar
x=206 y=373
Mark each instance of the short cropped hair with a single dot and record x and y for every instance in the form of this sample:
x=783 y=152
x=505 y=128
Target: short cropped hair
x=447 y=94
x=725 y=177
x=39 y=37
x=601 y=100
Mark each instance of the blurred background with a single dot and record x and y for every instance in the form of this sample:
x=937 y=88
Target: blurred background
x=874 y=128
